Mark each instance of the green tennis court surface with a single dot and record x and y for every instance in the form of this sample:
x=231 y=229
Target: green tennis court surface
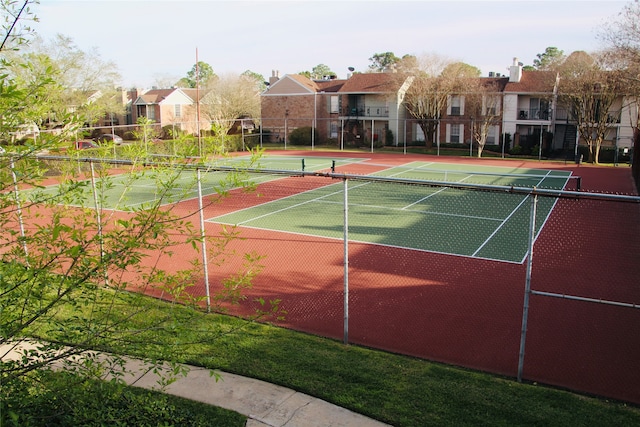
x=437 y=219
x=144 y=188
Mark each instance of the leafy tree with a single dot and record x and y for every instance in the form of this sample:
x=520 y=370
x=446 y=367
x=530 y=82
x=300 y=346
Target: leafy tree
x=550 y=59
x=87 y=85
x=461 y=70
x=321 y=70
x=201 y=73
x=78 y=248
x=381 y=62
x=258 y=78
x=15 y=18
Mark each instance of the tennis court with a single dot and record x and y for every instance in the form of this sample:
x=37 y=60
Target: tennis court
x=435 y=219
x=143 y=188
x=439 y=219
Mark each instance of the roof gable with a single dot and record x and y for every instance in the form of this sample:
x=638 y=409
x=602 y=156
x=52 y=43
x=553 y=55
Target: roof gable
x=292 y=84
x=164 y=96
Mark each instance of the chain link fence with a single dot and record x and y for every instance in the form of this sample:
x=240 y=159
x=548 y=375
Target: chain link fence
x=535 y=279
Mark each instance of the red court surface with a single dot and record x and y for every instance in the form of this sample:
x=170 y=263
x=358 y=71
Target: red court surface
x=467 y=311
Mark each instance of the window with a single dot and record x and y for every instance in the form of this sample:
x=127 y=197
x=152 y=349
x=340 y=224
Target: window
x=455 y=133
x=491 y=105
x=178 y=110
x=419 y=133
x=333 y=131
x=455 y=106
x=492 y=132
x=147 y=111
x=334 y=107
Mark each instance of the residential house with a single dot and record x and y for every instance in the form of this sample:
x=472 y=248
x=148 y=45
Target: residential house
x=482 y=110
x=533 y=115
x=529 y=108
x=174 y=107
x=361 y=109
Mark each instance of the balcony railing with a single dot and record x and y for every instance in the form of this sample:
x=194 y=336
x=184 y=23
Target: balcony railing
x=534 y=114
x=613 y=117
x=367 y=111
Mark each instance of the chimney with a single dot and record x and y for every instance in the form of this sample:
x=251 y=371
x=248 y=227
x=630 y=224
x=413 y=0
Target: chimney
x=515 y=71
x=275 y=76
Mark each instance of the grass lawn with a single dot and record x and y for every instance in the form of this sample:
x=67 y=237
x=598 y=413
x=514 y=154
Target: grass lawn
x=395 y=389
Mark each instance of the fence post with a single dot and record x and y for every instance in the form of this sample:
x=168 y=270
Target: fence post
x=527 y=287
x=346 y=262
x=203 y=242
x=98 y=220
x=19 y=210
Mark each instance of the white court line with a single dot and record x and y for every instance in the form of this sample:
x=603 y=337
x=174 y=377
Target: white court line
x=506 y=219
x=425 y=198
x=288 y=207
x=387 y=208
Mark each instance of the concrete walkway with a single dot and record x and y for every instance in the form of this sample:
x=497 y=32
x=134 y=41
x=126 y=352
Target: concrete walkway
x=263 y=403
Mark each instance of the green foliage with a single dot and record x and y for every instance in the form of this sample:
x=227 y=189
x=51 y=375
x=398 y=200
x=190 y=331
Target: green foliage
x=303 y=136
x=383 y=61
x=517 y=150
x=389 y=137
x=63 y=399
x=200 y=74
x=74 y=251
x=550 y=59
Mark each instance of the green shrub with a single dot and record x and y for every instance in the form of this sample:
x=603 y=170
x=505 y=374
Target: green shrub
x=302 y=136
x=62 y=399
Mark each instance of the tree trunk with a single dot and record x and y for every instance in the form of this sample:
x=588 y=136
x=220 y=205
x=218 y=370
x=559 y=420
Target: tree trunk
x=591 y=153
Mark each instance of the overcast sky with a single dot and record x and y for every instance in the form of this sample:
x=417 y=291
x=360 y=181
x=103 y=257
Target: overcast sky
x=151 y=40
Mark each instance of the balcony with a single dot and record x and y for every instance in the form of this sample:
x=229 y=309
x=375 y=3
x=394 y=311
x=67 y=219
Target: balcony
x=613 y=117
x=534 y=114
x=366 y=111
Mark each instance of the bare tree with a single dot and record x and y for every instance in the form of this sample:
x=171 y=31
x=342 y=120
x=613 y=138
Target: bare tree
x=483 y=101
x=228 y=99
x=589 y=90
x=434 y=82
x=622 y=38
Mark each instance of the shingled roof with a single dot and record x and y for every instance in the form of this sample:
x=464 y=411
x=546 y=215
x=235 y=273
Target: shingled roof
x=533 y=82
x=373 y=83
x=155 y=96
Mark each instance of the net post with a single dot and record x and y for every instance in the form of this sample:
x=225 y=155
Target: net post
x=302 y=165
